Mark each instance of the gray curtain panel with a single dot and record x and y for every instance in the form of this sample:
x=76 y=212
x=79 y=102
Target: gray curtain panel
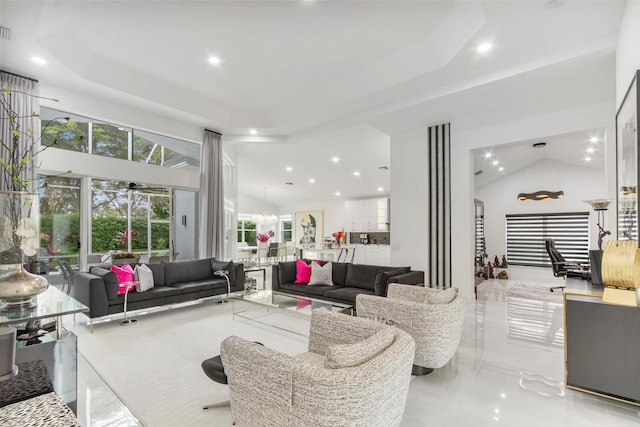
x=23 y=98
x=211 y=243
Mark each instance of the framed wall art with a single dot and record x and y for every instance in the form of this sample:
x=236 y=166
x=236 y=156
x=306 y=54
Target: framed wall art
x=308 y=228
x=627 y=162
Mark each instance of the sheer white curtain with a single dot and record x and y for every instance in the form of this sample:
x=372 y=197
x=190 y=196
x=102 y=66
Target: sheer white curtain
x=22 y=99
x=211 y=243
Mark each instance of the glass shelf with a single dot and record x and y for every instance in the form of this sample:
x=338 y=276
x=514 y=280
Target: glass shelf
x=50 y=303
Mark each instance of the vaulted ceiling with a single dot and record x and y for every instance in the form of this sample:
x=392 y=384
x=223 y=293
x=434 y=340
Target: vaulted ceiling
x=317 y=79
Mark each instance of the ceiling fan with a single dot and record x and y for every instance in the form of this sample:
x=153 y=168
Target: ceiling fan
x=135 y=187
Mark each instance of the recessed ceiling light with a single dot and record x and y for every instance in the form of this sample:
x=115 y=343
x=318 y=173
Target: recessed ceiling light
x=311 y=180
x=495 y=163
x=587 y=159
x=38 y=60
x=335 y=159
x=484 y=47
x=593 y=140
x=590 y=150
x=289 y=168
x=380 y=189
x=337 y=193
x=214 y=60
x=500 y=169
x=253 y=131
x=356 y=173
x=488 y=155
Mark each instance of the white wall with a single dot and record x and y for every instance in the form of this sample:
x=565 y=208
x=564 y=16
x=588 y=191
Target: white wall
x=409 y=177
x=533 y=127
x=500 y=197
x=409 y=207
x=628 y=51
x=56 y=160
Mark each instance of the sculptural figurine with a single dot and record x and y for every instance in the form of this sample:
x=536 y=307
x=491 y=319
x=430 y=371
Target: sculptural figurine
x=496 y=262
x=504 y=261
x=503 y=275
x=490 y=271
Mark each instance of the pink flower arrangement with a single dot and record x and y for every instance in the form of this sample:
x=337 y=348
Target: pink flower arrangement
x=264 y=237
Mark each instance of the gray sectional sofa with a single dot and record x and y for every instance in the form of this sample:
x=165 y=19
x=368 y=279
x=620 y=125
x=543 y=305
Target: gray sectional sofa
x=174 y=282
x=349 y=280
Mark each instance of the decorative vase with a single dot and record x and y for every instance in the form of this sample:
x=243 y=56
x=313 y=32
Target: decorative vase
x=19 y=239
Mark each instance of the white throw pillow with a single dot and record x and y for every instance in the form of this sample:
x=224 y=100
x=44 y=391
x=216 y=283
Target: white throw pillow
x=321 y=274
x=144 y=276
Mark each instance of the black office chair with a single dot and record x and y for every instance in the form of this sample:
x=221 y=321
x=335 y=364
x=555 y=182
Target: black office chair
x=559 y=266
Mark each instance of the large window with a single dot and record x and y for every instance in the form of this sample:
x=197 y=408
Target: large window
x=110 y=140
x=72 y=135
x=246 y=229
x=526 y=234
x=130 y=221
x=59 y=216
x=286 y=228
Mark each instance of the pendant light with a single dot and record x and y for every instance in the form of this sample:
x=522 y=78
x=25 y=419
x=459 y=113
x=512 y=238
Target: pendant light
x=265 y=218
x=542 y=194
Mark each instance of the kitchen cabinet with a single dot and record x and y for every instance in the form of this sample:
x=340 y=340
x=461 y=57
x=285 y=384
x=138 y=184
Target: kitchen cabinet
x=368 y=215
x=372 y=254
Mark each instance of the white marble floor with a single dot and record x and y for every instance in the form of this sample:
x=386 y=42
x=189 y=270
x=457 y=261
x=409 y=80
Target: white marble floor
x=508 y=371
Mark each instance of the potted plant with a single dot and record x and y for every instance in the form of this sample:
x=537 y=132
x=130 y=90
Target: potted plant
x=122 y=258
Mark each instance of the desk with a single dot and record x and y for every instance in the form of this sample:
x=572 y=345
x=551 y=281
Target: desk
x=601 y=344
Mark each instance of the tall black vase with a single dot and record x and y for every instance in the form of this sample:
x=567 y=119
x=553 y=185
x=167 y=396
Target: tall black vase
x=595 y=263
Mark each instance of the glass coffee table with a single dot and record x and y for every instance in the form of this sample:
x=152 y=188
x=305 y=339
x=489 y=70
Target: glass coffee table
x=259 y=306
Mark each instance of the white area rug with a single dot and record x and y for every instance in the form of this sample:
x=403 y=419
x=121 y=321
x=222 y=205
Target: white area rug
x=533 y=291
x=154 y=365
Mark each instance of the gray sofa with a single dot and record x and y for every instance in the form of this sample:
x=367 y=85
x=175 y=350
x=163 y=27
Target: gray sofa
x=174 y=282
x=349 y=280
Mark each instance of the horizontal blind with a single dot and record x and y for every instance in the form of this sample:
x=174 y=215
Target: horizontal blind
x=526 y=234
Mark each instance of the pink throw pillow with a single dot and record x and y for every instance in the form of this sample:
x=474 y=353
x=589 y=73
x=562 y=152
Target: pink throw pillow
x=303 y=272
x=124 y=273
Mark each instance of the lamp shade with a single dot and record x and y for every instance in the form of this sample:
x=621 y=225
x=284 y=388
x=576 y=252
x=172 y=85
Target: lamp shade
x=599 y=204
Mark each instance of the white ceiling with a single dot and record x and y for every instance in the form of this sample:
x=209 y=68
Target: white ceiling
x=318 y=78
x=570 y=148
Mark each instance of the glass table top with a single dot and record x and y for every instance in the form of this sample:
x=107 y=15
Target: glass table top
x=294 y=303
x=50 y=303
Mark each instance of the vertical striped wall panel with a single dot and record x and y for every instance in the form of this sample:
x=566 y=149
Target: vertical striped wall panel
x=439 y=274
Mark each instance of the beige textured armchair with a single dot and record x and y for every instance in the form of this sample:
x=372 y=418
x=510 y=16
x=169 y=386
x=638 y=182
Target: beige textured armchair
x=356 y=373
x=433 y=317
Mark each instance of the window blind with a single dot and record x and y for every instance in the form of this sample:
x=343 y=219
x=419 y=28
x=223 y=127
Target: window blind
x=526 y=234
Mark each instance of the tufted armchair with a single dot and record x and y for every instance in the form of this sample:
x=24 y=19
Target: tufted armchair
x=433 y=317
x=356 y=373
